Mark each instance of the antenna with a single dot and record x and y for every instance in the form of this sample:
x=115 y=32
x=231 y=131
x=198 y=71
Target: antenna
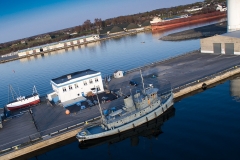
x=142 y=81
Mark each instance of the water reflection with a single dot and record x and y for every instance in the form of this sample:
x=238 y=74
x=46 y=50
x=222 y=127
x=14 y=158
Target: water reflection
x=151 y=129
x=235 y=88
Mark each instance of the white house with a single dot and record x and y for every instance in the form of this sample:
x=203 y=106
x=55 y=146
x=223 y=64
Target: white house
x=72 y=88
x=118 y=74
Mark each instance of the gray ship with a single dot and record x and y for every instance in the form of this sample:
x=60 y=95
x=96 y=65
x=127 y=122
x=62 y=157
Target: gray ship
x=138 y=109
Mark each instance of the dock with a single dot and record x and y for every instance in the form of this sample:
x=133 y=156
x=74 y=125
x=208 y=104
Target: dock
x=47 y=124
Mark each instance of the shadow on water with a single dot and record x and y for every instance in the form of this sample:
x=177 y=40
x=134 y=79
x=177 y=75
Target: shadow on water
x=151 y=129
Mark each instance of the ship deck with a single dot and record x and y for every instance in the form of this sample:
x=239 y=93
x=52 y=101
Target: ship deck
x=49 y=120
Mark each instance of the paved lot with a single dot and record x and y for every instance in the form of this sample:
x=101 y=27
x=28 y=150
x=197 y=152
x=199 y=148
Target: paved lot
x=177 y=71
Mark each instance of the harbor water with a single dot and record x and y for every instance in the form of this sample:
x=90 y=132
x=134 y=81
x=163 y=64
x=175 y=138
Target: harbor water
x=205 y=125
x=105 y=56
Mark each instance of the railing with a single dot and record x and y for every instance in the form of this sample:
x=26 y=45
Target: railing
x=41 y=136
x=176 y=89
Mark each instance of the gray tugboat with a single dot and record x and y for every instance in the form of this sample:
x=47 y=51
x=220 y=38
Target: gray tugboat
x=137 y=109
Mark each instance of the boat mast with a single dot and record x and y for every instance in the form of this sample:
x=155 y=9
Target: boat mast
x=34 y=90
x=142 y=80
x=100 y=109
x=12 y=92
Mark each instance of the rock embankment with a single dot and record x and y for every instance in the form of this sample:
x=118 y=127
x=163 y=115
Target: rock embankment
x=200 y=32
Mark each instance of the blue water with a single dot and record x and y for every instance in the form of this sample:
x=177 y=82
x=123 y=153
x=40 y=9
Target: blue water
x=106 y=56
x=205 y=126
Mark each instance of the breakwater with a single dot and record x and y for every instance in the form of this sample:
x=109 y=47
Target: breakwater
x=200 y=32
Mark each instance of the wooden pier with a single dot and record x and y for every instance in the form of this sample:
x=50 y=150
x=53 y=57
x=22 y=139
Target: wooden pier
x=48 y=124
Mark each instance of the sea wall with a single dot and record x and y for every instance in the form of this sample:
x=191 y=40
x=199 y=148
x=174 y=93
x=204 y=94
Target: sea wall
x=39 y=145
x=205 y=82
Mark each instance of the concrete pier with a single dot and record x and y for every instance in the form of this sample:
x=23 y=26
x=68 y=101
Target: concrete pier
x=187 y=73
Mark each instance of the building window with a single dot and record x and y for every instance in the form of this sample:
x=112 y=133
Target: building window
x=64 y=89
x=70 y=87
x=96 y=79
x=76 y=85
x=84 y=83
x=90 y=81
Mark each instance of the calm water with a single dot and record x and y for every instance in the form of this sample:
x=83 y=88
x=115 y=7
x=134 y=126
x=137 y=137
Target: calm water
x=205 y=126
x=107 y=56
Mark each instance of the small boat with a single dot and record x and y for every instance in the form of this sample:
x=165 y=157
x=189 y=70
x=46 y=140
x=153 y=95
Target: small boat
x=22 y=101
x=137 y=109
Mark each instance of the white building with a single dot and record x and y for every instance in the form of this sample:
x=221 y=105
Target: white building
x=118 y=74
x=71 y=88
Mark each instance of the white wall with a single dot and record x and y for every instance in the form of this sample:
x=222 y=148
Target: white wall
x=233 y=14
x=73 y=93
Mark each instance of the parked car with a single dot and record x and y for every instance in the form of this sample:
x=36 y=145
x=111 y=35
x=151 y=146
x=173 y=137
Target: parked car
x=105 y=98
x=90 y=103
x=133 y=83
x=95 y=102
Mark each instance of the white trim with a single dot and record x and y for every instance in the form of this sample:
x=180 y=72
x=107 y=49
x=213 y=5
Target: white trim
x=204 y=51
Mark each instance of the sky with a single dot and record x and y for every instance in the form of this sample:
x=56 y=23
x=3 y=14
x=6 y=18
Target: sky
x=25 y=18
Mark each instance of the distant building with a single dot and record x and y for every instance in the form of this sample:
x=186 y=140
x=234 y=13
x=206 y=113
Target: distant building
x=118 y=74
x=72 y=88
x=228 y=43
x=193 y=9
x=23 y=41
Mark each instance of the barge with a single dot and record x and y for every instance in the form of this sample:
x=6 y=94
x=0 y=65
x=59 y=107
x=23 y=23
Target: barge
x=185 y=20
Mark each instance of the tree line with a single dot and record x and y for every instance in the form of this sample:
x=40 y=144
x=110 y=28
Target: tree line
x=98 y=24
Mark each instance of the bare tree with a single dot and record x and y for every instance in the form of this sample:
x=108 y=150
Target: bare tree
x=78 y=29
x=98 y=22
x=87 y=25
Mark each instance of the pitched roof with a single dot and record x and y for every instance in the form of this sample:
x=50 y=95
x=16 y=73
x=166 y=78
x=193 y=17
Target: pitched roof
x=146 y=23
x=132 y=26
x=116 y=29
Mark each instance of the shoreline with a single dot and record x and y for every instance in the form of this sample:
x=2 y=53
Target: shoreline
x=196 y=33
x=117 y=35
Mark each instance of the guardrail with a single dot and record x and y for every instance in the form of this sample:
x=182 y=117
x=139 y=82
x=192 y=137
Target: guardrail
x=176 y=89
x=40 y=136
